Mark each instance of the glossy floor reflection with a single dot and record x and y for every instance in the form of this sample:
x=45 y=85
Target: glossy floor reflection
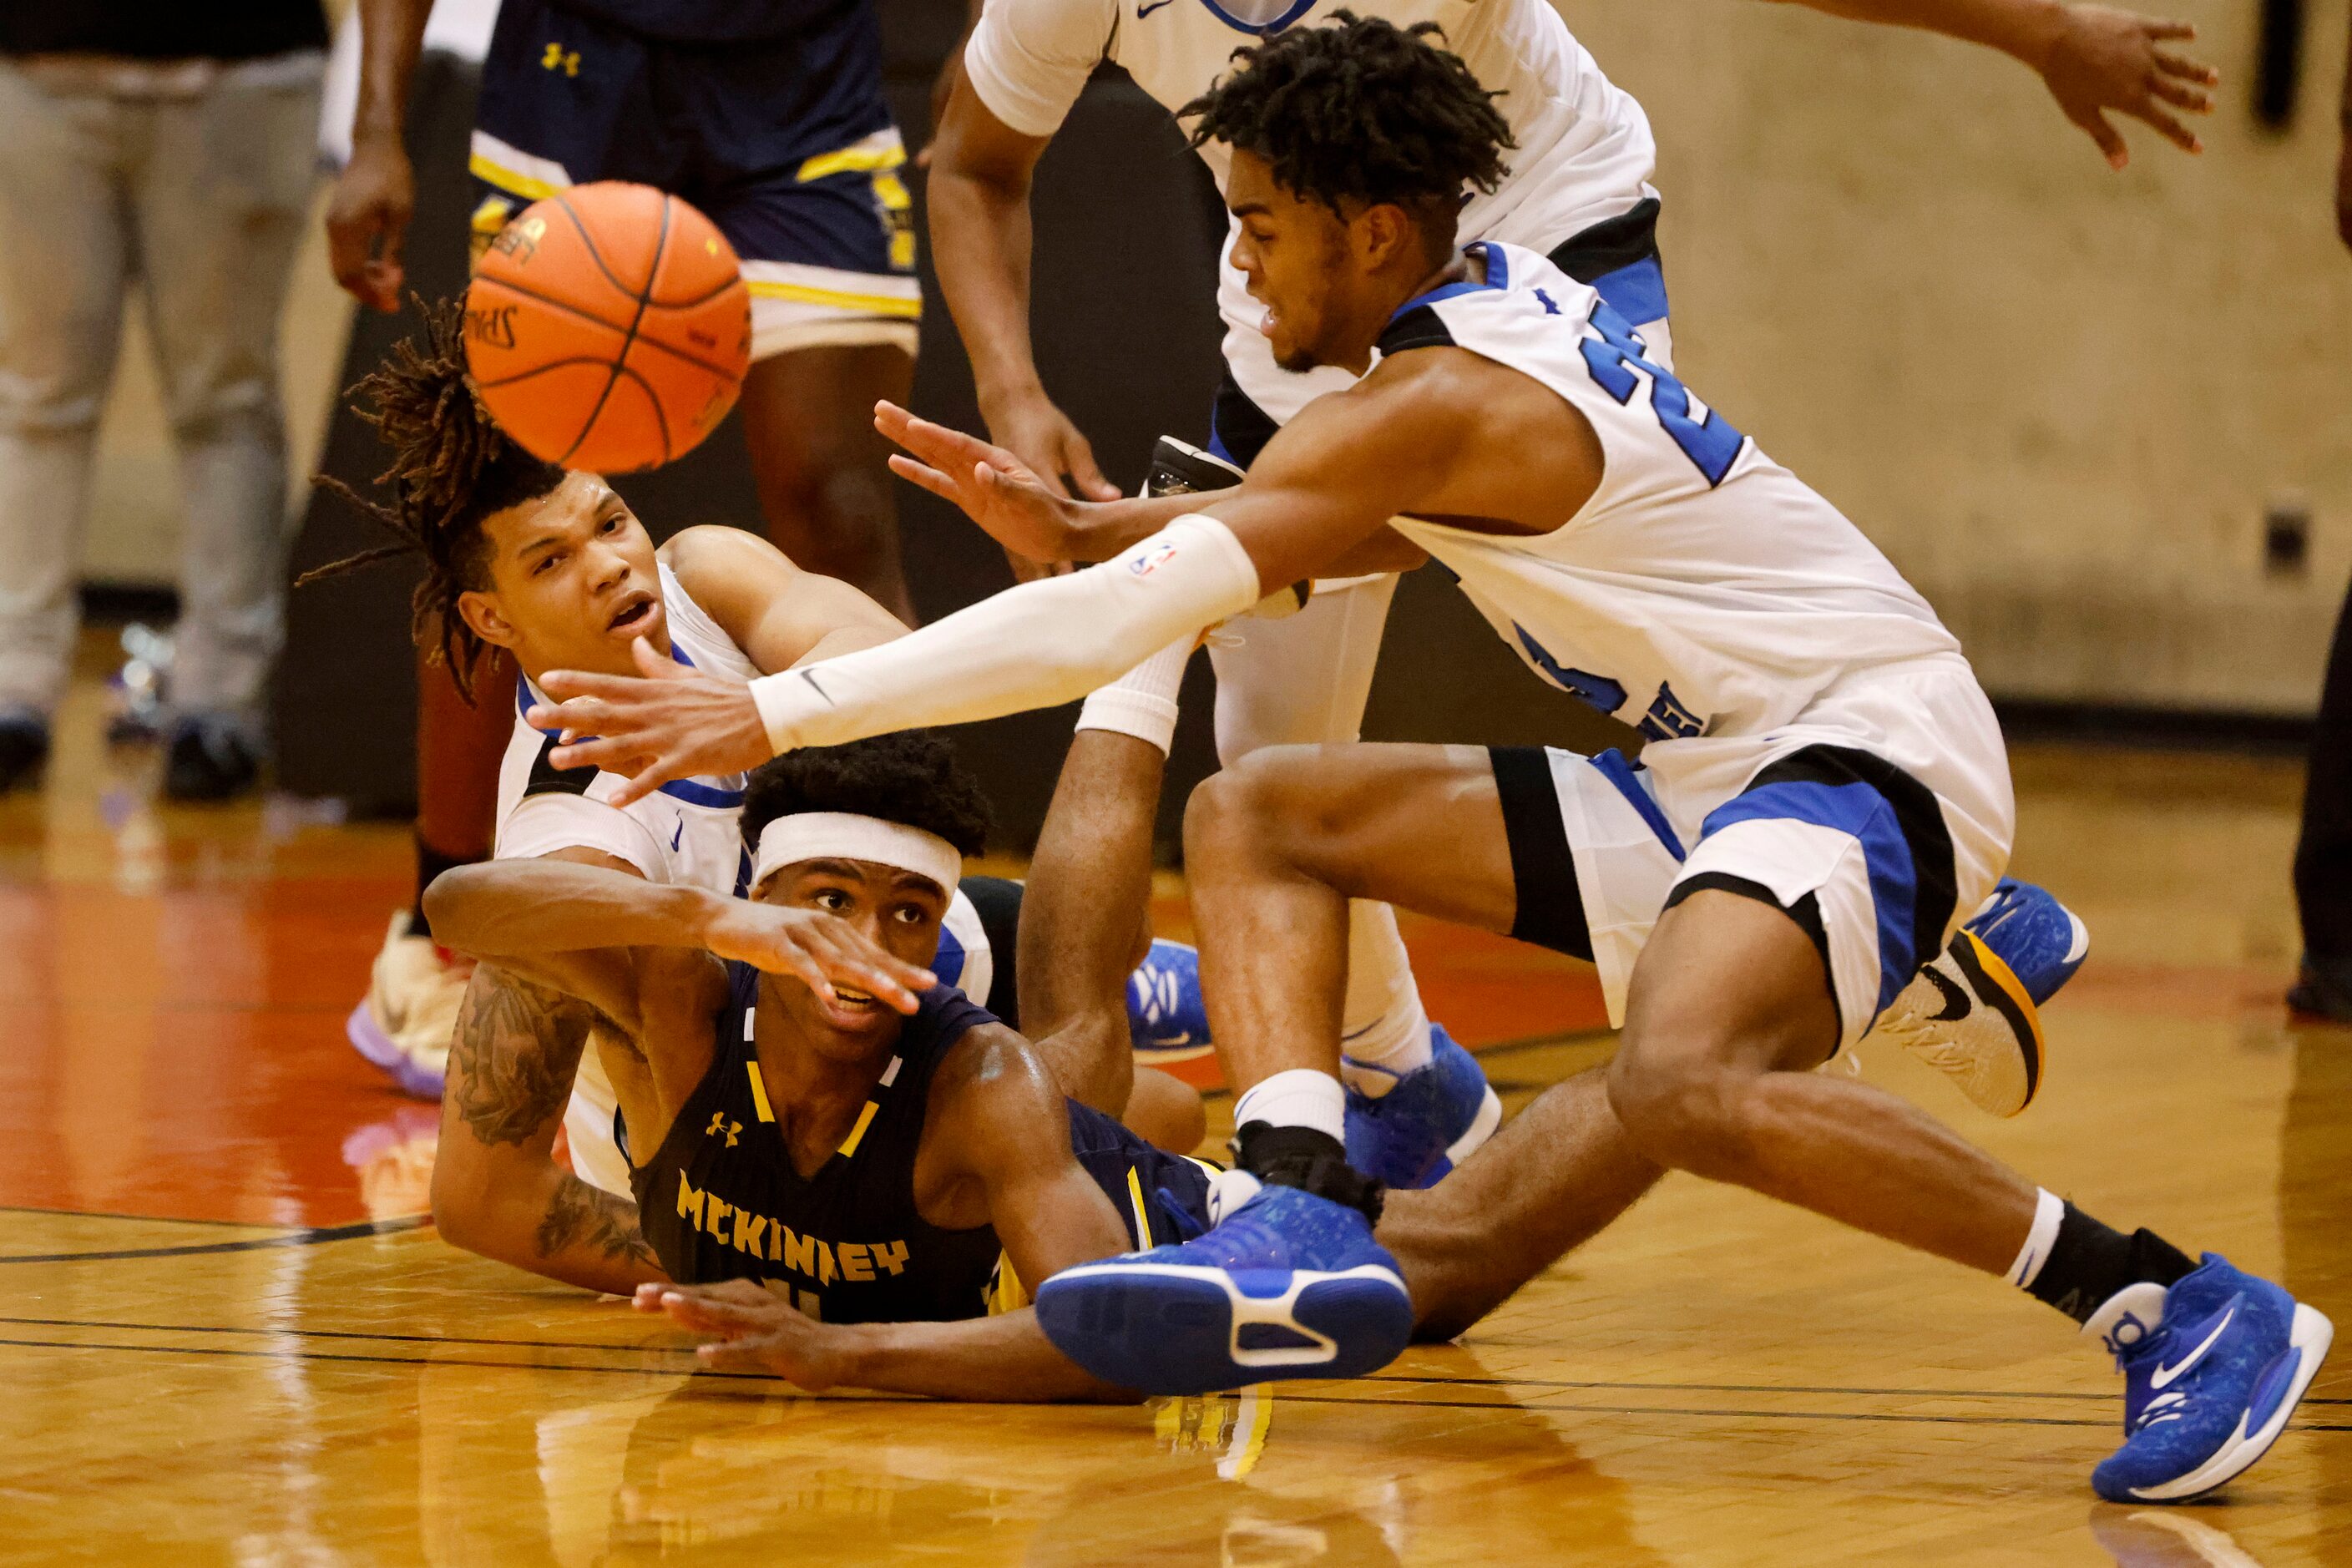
x=227 y=1338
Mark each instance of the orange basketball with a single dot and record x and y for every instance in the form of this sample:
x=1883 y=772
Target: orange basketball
x=608 y=328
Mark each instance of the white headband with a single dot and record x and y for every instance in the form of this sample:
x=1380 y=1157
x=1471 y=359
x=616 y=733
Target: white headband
x=844 y=835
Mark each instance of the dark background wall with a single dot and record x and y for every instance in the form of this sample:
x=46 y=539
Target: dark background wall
x=1127 y=230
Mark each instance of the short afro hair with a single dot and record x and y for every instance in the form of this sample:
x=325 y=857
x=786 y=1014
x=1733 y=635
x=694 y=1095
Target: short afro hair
x=1361 y=111
x=913 y=777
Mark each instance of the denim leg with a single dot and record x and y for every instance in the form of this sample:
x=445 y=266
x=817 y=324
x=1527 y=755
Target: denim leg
x=64 y=264
x=221 y=197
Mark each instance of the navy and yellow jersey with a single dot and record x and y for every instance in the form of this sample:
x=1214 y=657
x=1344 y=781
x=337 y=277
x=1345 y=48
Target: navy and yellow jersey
x=768 y=115
x=720 y=1200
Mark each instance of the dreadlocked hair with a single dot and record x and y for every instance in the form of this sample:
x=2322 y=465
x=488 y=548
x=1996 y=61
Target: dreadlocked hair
x=1361 y=111
x=451 y=467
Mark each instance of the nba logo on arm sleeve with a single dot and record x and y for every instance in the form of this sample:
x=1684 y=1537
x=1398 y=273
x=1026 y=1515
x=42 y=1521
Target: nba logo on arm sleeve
x=1145 y=565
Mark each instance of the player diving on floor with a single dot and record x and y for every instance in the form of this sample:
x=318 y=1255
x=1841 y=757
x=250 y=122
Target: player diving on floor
x=1828 y=800
x=552 y=566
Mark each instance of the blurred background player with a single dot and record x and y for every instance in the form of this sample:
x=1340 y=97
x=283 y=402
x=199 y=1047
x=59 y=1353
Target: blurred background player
x=171 y=144
x=769 y=116
x=1578 y=190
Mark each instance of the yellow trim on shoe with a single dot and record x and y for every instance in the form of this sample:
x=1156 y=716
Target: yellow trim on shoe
x=1991 y=967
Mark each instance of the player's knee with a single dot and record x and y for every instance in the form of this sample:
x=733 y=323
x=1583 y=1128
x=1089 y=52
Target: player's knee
x=1686 y=1112
x=1259 y=813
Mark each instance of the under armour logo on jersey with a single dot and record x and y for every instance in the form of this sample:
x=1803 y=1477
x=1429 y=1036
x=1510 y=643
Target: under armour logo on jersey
x=718 y=1123
x=1551 y=308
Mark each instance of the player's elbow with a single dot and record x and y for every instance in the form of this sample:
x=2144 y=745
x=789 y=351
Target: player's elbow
x=453 y=902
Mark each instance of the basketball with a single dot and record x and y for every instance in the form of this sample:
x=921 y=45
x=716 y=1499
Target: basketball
x=608 y=328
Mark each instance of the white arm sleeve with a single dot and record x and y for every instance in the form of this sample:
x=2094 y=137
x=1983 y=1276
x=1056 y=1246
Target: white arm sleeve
x=542 y=824
x=1029 y=59
x=1142 y=702
x=1033 y=645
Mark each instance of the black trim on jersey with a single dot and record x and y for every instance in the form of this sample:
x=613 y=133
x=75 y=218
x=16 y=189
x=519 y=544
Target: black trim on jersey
x=997 y=902
x=1543 y=873
x=1418 y=328
x=1935 y=887
x=546 y=778
x=1613 y=243
x=1242 y=427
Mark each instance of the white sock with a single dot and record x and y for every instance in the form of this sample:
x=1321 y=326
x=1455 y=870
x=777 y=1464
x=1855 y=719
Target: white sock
x=1302 y=1097
x=1383 y=1030
x=2049 y=1209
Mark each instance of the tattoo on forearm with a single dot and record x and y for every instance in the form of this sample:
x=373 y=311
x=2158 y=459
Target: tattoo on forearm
x=513 y=1058
x=582 y=1215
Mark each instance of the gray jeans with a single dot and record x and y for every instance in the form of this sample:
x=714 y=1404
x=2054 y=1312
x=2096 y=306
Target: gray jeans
x=202 y=197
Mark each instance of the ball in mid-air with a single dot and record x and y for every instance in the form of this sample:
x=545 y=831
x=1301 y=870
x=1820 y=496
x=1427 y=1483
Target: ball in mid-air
x=608 y=328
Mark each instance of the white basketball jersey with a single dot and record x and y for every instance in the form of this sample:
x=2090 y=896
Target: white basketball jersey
x=686 y=834
x=1584 y=152
x=1703 y=589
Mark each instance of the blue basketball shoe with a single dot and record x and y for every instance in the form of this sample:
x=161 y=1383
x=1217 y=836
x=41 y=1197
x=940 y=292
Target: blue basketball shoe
x=1283 y=1284
x=1973 y=1012
x=2213 y=1368
x=1431 y=1121
x=1166 y=1019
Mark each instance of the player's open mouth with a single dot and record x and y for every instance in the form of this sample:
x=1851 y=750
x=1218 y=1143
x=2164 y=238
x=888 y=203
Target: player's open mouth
x=634 y=614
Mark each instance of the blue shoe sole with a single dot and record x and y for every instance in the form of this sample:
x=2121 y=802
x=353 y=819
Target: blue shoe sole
x=1170 y=1329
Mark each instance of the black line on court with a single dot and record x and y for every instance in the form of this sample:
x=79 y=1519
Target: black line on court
x=1740 y=1415
x=143 y=1218
x=231 y=1350
x=351 y=1334
x=312 y=1237
x=1709 y=1387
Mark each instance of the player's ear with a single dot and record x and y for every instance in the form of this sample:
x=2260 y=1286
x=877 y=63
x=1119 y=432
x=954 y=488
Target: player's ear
x=1382 y=231
x=480 y=611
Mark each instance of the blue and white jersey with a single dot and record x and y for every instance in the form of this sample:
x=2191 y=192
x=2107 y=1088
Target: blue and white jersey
x=1704 y=589
x=686 y=834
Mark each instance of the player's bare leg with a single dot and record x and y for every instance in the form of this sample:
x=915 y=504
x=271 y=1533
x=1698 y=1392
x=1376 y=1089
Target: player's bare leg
x=1550 y=1180
x=824 y=478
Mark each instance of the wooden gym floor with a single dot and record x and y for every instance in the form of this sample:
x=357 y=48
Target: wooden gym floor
x=228 y=1336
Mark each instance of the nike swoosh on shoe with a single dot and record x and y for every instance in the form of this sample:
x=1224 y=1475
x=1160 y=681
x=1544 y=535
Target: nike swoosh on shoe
x=2163 y=1375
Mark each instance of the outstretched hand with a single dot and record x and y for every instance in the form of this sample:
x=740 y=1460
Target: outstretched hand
x=666 y=722
x=2104 y=59
x=754 y=1331
x=991 y=486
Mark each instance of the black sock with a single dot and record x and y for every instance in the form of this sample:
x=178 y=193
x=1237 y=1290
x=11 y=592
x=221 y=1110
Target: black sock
x=2090 y=1262
x=430 y=863
x=1310 y=1161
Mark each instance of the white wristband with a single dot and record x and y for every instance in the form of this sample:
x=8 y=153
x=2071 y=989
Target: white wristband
x=1142 y=702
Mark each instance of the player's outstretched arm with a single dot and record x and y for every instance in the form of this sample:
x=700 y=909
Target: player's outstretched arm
x=2095 y=60
x=367 y=219
x=1328 y=480
x=573 y=927
x=496 y=1190
x=1005 y=1359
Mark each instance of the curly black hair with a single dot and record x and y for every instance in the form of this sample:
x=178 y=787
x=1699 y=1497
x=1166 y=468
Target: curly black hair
x=451 y=467
x=1361 y=111
x=913 y=777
